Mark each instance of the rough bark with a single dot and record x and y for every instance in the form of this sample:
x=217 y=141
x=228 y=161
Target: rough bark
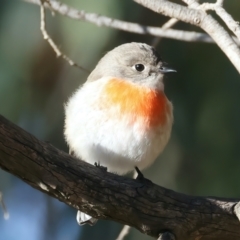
x=141 y=204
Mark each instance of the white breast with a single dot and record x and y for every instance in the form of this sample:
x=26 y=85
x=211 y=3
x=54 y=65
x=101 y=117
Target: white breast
x=114 y=143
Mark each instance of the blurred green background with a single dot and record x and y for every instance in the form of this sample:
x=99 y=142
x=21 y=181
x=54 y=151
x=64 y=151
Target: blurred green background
x=203 y=155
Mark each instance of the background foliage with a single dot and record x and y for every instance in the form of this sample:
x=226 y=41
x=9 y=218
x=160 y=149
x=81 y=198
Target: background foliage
x=203 y=155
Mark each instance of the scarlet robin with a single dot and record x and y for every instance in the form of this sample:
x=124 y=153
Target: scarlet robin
x=120 y=117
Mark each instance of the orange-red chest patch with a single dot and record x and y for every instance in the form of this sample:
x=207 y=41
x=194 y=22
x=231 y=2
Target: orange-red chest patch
x=139 y=102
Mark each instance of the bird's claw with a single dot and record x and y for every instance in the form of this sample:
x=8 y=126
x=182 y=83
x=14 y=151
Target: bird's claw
x=100 y=166
x=141 y=177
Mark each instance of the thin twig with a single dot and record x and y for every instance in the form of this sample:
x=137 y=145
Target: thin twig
x=126 y=26
x=49 y=6
x=170 y=23
x=224 y=15
x=220 y=2
x=49 y=39
x=230 y=22
x=2 y=204
x=124 y=232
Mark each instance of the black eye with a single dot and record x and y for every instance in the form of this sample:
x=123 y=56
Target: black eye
x=139 y=67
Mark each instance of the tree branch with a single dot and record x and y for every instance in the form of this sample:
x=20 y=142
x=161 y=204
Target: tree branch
x=201 y=19
x=151 y=209
x=193 y=14
x=4 y=208
x=124 y=232
x=170 y=23
x=100 y=20
x=50 y=40
x=224 y=15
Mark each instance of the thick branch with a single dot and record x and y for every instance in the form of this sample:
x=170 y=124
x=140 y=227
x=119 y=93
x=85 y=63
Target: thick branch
x=149 y=208
x=224 y=15
x=199 y=18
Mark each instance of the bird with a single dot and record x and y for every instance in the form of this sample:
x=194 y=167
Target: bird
x=120 y=118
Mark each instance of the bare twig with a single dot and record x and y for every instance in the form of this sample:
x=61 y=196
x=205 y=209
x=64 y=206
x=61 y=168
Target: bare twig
x=49 y=6
x=170 y=23
x=2 y=204
x=126 y=26
x=224 y=15
x=49 y=39
x=124 y=232
x=227 y=18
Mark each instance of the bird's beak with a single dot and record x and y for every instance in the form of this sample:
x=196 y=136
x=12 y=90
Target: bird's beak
x=163 y=69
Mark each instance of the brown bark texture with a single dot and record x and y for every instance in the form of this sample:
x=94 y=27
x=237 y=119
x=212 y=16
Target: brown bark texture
x=141 y=204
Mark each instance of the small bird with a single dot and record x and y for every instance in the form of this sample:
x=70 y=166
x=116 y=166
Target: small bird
x=120 y=117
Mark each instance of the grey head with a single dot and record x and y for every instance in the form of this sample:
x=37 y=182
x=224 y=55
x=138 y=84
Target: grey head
x=137 y=62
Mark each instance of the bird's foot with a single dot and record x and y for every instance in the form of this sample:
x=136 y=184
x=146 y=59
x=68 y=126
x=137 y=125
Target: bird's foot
x=98 y=165
x=140 y=176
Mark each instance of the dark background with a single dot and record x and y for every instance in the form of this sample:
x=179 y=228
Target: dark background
x=203 y=155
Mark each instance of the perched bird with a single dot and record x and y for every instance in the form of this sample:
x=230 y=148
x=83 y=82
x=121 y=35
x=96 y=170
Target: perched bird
x=120 y=117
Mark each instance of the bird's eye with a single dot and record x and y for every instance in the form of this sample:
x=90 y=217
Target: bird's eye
x=139 y=67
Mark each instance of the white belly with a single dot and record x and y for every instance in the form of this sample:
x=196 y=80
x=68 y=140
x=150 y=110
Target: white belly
x=112 y=142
